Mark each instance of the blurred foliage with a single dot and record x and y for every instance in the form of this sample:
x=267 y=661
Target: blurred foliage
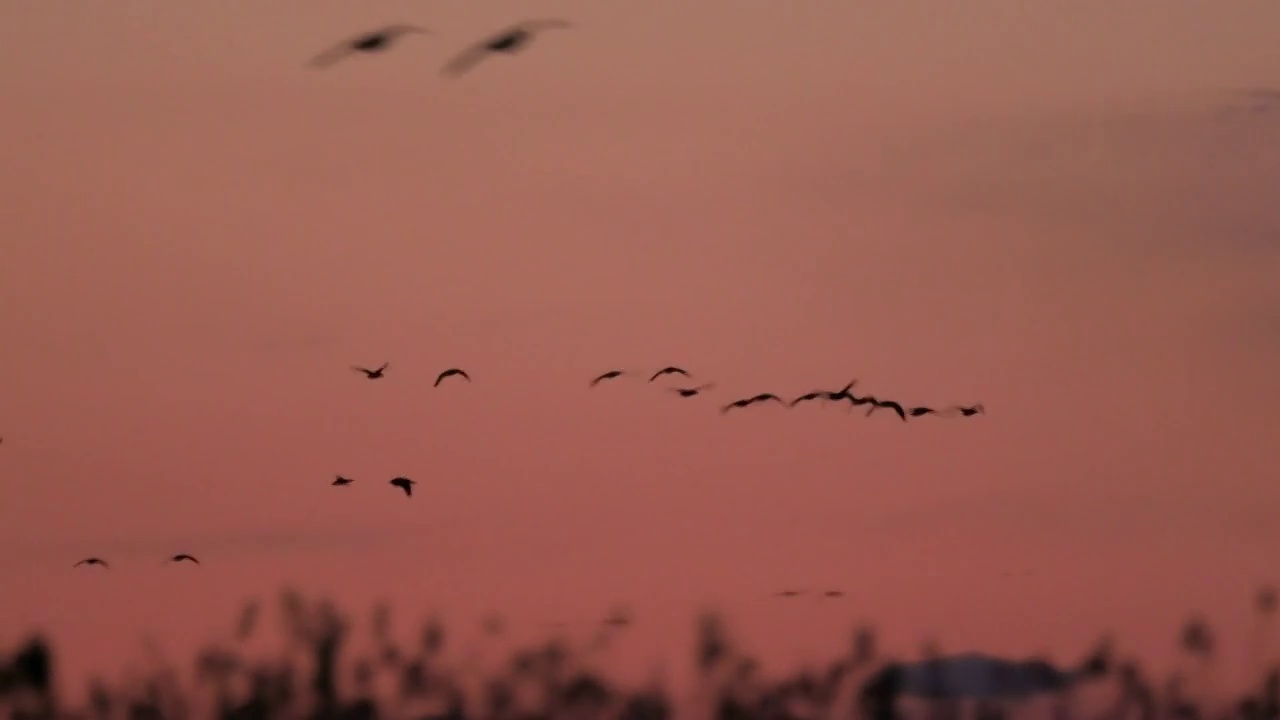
x=305 y=681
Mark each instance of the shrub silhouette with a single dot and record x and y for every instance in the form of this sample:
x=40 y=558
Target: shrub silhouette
x=547 y=682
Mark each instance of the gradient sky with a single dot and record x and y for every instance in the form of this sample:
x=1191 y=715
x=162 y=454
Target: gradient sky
x=1065 y=211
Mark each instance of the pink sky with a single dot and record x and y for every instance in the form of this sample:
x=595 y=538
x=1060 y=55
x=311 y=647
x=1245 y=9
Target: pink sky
x=1038 y=206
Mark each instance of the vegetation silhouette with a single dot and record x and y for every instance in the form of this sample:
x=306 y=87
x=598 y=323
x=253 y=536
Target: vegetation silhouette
x=545 y=682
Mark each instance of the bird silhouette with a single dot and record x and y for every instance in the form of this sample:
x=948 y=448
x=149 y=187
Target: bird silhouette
x=843 y=393
x=789 y=593
x=669 y=370
x=368 y=42
x=894 y=406
x=969 y=410
x=372 y=374
x=816 y=394
x=404 y=484
x=343 y=481
x=450 y=373
x=92 y=561
x=920 y=411
x=183 y=556
x=607 y=376
x=833 y=594
x=690 y=392
x=509 y=41
x=762 y=397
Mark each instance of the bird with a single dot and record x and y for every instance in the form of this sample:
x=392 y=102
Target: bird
x=969 y=410
x=762 y=397
x=843 y=393
x=404 y=484
x=810 y=396
x=368 y=42
x=342 y=481
x=789 y=593
x=92 y=561
x=669 y=370
x=372 y=374
x=833 y=594
x=690 y=392
x=450 y=373
x=509 y=41
x=183 y=556
x=607 y=376
x=894 y=406
x=919 y=411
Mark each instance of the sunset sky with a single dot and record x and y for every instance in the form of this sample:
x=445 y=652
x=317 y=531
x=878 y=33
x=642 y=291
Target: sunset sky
x=1065 y=211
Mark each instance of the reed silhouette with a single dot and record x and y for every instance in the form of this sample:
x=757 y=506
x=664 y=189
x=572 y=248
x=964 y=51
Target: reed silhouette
x=319 y=677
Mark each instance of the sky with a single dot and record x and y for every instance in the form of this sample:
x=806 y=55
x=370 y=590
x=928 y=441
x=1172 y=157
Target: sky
x=1062 y=211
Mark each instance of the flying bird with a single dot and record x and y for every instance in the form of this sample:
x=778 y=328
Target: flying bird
x=762 y=397
x=607 y=376
x=690 y=392
x=374 y=41
x=372 y=374
x=970 y=410
x=833 y=594
x=92 y=561
x=449 y=373
x=183 y=556
x=810 y=396
x=343 y=481
x=669 y=370
x=404 y=484
x=920 y=411
x=508 y=41
x=894 y=406
x=843 y=393
x=789 y=593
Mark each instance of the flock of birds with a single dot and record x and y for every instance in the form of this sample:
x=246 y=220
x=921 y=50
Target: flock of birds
x=508 y=41
x=844 y=394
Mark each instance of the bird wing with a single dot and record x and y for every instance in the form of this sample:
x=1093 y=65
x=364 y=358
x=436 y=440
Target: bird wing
x=366 y=371
x=385 y=365
x=466 y=59
x=605 y=376
x=333 y=54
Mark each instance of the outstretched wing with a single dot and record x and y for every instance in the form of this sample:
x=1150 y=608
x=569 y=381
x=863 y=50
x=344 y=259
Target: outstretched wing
x=333 y=54
x=467 y=59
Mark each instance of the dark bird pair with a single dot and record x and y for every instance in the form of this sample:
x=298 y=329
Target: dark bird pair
x=99 y=561
x=508 y=41
x=382 y=371
x=403 y=483
x=668 y=370
x=921 y=411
